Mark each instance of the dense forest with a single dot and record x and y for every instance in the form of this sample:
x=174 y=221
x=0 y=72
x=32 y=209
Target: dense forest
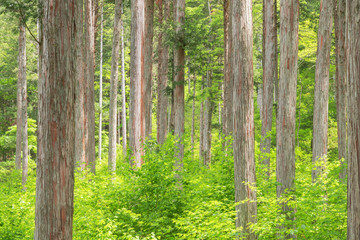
x=179 y=119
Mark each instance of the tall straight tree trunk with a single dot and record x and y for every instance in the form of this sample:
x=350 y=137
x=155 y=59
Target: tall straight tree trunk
x=114 y=87
x=341 y=81
x=90 y=76
x=149 y=20
x=228 y=81
x=269 y=75
x=179 y=62
x=193 y=118
x=276 y=83
x=123 y=97
x=80 y=93
x=353 y=44
x=201 y=128
x=163 y=53
x=137 y=81
x=101 y=80
x=207 y=119
x=19 y=99
x=285 y=122
x=56 y=147
x=24 y=122
x=243 y=110
x=320 y=122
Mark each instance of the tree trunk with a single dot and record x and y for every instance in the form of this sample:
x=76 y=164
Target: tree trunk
x=201 y=128
x=19 y=99
x=162 y=74
x=193 y=118
x=228 y=80
x=22 y=76
x=80 y=93
x=243 y=114
x=149 y=19
x=90 y=76
x=353 y=44
x=207 y=118
x=341 y=82
x=285 y=123
x=269 y=75
x=56 y=146
x=101 y=80
x=123 y=96
x=179 y=62
x=137 y=80
x=320 y=122
x=114 y=87
x=276 y=92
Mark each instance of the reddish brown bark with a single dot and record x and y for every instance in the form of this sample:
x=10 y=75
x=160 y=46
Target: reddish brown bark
x=285 y=122
x=80 y=91
x=341 y=81
x=137 y=81
x=243 y=114
x=320 y=122
x=114 y=87
x=149 y=19
x=353 y=67
x=269 y=78
x=228 y=81
x=163 y=53
x=179 y=62
x=56 y=145
x=90 y=31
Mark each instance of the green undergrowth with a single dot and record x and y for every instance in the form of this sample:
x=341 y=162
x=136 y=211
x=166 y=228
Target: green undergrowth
x=150 y=203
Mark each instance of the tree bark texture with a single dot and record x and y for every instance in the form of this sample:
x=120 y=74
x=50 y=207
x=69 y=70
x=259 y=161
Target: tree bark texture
x=90 y=9
x=163 y=58
x=243 y=114
x=80 y=93
x=149 y=20
x=269 y=75
x=123 y=96
x=320 y=121
x=114 y=86
x=285 y=122
x=137 y=81
x=56 y=146
x=353 y=44
x=24 y=122
x=207 y=118
x=101 y=81
x=341 y=81
x=179 y=62
x=228 y=80
x=193 y=118
x=19 y=100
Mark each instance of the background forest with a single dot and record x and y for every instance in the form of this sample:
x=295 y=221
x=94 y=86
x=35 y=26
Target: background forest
x=147 y=203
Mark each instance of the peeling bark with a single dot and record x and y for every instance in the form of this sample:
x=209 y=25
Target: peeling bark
x=321 y=96
x=114 y=87
x=137 y=81
x=56 y=146
x=285 y=122
x=269 y=78
x=90 y=9
x=243 y=115
x=353 y=66
x=179 y=62
x=341 y=81
x=163 y=53
x=149 y=19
